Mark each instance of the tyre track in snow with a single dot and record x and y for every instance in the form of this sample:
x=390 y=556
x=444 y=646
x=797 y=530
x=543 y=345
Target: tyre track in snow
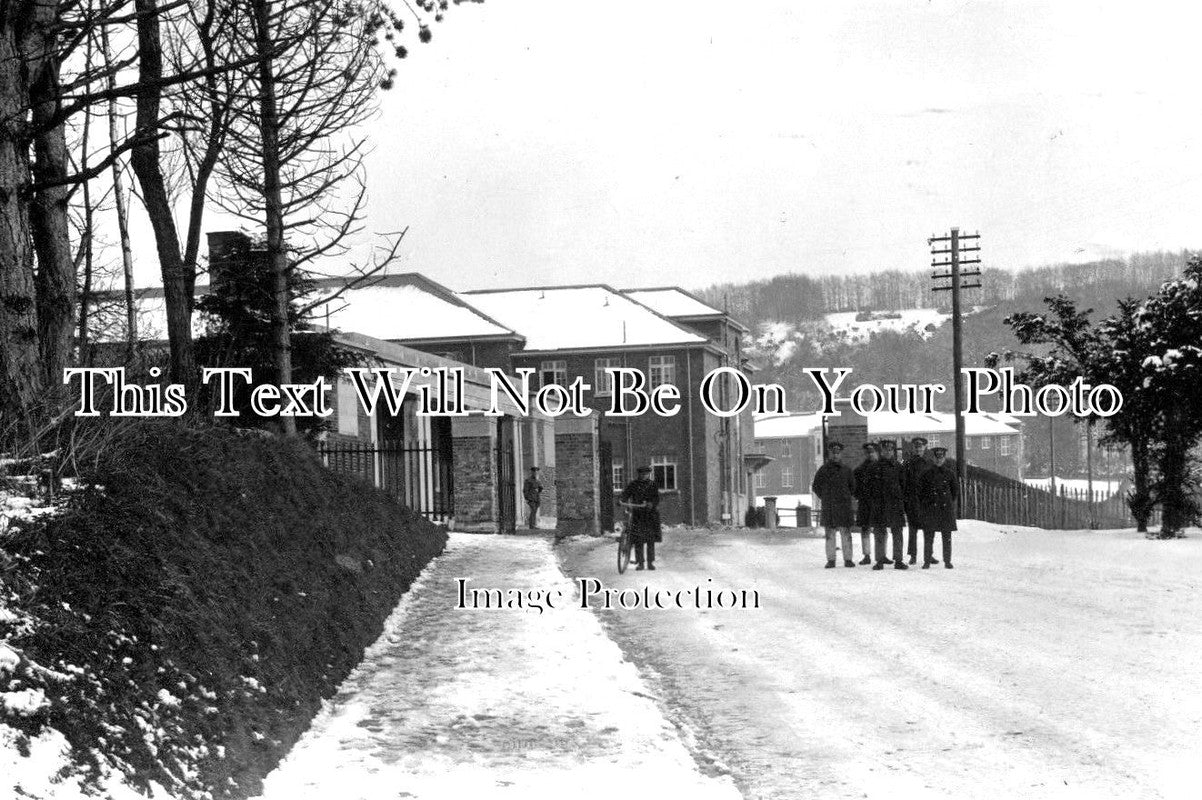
x=969 y=683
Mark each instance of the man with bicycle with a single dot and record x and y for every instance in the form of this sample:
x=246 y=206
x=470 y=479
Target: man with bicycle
x=641 y=496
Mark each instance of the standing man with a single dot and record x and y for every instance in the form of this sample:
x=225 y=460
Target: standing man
x=532 y=492
x=641 y=496
x=939 y=490
x=835 y=485
x=864 y=491
x=890 y=515
x=912 y=471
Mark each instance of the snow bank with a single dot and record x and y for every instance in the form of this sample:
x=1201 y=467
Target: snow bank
x=916 y=319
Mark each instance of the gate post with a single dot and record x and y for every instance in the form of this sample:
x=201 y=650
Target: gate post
x=474 y=474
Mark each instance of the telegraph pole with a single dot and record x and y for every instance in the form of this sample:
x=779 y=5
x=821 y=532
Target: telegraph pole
x=954 y=252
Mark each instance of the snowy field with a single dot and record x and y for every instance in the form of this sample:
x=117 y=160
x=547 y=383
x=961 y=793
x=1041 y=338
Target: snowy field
x=1046 y=665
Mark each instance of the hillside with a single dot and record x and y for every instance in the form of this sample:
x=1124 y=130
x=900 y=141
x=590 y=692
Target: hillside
x=888 y=327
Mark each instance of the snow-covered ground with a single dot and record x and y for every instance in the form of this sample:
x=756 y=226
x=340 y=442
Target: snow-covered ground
x=909 y=318
x=1048 y=664
x=1101 y=489
x=458 y=703
x=31 y=767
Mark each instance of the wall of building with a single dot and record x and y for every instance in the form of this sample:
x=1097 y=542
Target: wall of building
x=795 y=453
x=577 y=476
x=477 y=501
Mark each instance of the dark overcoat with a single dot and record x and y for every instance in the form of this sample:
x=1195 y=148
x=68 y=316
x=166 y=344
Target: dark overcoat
x=939 y=491
x=912 y=471
x=865 y=493
x=889 y=511
x=835 y=485
x=644 y=522
x=532 y=491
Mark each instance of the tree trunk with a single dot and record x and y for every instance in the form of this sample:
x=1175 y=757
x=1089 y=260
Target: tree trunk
x=179 y=281
x=127 y=258
x=20 y=378
x=273 y=204
x=49 y=211
x=1178 y=507
x=1140 y=499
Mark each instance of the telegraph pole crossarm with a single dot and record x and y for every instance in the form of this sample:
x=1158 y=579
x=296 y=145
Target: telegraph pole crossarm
x=955 y=277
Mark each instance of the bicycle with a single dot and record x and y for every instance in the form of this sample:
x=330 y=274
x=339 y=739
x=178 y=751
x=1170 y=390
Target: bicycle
x=624 y=538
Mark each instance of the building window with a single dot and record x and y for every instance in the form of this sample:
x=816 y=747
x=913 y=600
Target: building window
x=786 y=477
x=985 y=442
x=663 y=472
x=785 y=451
x=553 y=372
x=759 y=446
x=454 y=355
x=618 y=474
x=348 y=409
x=1005 y=445
x=663 y=370
x=602 y=380
x=967 y=442
x=761 y=479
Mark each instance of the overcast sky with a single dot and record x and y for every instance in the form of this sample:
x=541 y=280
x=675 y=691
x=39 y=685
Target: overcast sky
x=689 y=142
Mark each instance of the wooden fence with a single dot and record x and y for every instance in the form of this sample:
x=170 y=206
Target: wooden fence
x=991 y=497
x=995 y=498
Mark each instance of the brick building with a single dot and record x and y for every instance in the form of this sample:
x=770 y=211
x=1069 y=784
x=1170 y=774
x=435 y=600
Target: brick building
x=795 y=444
x=565 y=332
x=466 y=472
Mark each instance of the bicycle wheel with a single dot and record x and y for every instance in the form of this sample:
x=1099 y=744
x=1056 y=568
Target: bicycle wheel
x=623 y=551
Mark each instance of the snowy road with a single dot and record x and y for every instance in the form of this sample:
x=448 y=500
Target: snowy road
x=454 y=703
x=1047 y=665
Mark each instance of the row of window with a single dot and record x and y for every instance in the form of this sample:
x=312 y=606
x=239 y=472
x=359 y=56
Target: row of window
x=663 y=472
x=660 y=369
x=786 y=478
x=1005 y=444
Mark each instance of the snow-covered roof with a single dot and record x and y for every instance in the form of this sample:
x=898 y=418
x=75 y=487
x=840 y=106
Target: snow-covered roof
x=885 y=424
x=150 y=315
x=578 y=317
x=787 y=426
x=406 y=311
x=408 y=307
x=672 y=301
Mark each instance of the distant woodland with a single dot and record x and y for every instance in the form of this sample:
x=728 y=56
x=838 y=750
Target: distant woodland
x=794 y=296
x=786 y=316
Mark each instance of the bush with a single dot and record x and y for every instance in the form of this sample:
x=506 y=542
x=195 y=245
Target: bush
x=199 y=597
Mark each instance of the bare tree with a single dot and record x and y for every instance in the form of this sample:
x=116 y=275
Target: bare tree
x=293 y=160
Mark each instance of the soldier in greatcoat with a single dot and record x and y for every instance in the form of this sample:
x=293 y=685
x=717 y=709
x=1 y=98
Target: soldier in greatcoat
x=864 y=493
x=939 y=491
x=532 y=493
x=889 y=512
x=912 y=472
x=835 y=484
x=641 y=496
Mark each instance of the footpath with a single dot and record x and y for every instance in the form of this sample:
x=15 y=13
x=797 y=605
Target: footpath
x=492 y=703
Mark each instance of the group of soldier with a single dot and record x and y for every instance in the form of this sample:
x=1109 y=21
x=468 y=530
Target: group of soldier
x=882 y=496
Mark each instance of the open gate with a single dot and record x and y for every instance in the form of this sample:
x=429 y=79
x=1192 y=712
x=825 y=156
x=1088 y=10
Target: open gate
x=605 y=492
x=506 y=492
